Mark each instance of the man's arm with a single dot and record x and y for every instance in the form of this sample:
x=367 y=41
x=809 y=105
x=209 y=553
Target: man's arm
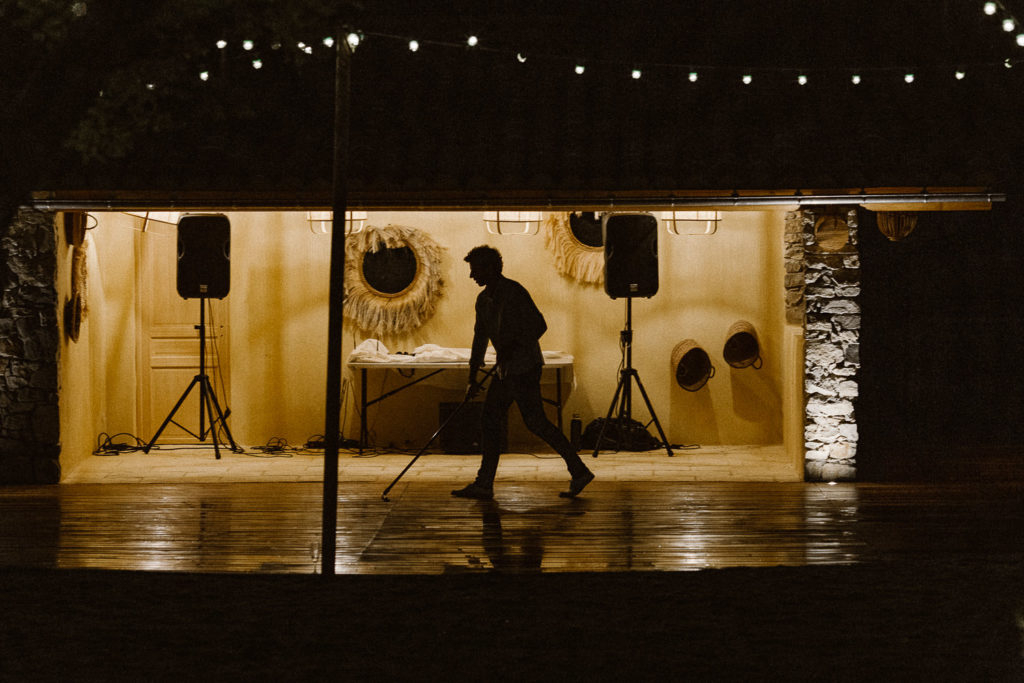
x=476 y=356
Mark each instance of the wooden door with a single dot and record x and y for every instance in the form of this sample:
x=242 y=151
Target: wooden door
x=168 y=349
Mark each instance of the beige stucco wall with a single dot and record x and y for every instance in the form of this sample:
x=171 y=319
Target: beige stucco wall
x=278 y=327
x=97 y=372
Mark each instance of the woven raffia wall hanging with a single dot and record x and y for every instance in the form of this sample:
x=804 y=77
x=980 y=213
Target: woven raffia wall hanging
x=573 y=257
x=393 y=279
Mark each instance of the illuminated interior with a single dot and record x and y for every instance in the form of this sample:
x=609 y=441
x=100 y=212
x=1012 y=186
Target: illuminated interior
x=138 y=342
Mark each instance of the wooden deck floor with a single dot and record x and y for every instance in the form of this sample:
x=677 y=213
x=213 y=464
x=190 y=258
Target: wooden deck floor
x=616 y=526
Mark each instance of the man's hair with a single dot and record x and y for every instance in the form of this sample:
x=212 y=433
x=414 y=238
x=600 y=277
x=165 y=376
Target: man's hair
x=485 y=256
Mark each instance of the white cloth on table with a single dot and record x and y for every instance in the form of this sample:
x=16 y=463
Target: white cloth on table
x=374 y=351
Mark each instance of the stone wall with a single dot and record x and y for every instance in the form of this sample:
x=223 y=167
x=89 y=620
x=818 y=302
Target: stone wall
x=823 y=283
x=29 y=348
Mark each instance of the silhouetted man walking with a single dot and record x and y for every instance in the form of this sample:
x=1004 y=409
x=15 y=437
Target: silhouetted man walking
x=507 y=317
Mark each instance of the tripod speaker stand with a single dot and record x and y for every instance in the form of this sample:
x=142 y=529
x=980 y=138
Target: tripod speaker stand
x=209 y=408
x=623 y=398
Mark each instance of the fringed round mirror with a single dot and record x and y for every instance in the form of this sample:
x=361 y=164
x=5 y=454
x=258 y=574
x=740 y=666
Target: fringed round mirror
x=392 y=279
x=575 y=240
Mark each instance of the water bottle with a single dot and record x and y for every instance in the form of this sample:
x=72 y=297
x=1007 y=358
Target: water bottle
x=575 y=431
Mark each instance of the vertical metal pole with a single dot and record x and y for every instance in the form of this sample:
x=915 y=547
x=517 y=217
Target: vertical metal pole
x=202 y=369
x=329 y=530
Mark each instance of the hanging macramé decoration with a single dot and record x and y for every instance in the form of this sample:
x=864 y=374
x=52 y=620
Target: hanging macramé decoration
x=573 y=257
x=896 y=224
x=392 y=279
x=76 y=307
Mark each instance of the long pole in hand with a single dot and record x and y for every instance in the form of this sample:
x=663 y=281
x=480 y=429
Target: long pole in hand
x=469 y=395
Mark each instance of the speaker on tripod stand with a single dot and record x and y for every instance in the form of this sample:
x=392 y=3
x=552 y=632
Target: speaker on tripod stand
x=630 y=270
x=204 y=272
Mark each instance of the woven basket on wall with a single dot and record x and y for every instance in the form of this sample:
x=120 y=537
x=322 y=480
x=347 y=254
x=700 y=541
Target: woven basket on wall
x=691 y=365
x=742 y=350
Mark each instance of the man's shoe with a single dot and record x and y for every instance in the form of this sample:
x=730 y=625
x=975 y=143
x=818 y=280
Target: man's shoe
x=475 y=490
x=577 y=484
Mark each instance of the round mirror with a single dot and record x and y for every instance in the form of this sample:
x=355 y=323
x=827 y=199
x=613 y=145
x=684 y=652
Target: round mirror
x=586 y=228
x=390 y=270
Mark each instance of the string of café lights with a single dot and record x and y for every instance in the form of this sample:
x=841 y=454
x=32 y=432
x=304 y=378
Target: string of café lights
x=692 y=72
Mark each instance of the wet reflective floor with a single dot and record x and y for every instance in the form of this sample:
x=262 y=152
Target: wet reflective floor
x=615 y=526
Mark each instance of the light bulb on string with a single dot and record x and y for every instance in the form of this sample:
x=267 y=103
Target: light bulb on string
x=747 y=78
x=693 y=77
x=801 y=79
x=204 y=75
x=908 y=78
x=221 y=44
x=1020 y=39
x=353 y=40
x=247 y=45
x=257 y=64
x=1009 y=25
x=414 y=45
x=520 y=57
x=579 y=69
x=990 y=8
x=472 y=41
x=855 y=79
x=637 y=73
x=1007 y=63
x=960 y=75
x=328 y=41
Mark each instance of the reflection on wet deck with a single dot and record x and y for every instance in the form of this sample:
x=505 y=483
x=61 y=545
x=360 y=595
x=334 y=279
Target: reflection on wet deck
x=616 y=526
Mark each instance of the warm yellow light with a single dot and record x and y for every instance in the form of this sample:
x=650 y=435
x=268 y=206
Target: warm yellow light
x=320 y=221
x=512 y=222
x=691 y=222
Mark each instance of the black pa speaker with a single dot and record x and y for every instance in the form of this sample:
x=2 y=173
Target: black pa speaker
x=630 y=254
x=204 y=256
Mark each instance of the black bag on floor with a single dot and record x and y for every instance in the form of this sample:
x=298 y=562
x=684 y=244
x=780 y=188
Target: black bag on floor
x=621 y=435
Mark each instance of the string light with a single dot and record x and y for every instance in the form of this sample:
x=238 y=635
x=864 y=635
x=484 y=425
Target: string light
x=636 y=71
x=990 y=8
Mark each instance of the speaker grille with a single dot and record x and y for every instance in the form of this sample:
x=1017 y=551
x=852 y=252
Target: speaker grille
x=630 y=255
x=204 y=256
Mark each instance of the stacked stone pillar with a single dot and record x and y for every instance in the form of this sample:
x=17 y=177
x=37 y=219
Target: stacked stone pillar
x=823 y=283
x=29 y=347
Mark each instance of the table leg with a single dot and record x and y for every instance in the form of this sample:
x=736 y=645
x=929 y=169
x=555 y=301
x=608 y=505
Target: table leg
x=558 y=395
x=362 y=414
